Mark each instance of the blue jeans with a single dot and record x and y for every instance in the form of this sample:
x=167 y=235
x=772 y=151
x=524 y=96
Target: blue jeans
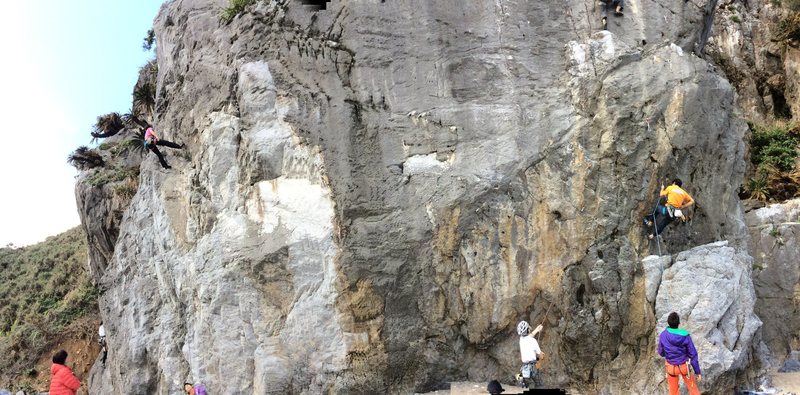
x=534 y=379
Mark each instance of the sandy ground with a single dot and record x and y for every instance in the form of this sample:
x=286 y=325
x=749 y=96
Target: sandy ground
x=788 y=383
x=473 y=388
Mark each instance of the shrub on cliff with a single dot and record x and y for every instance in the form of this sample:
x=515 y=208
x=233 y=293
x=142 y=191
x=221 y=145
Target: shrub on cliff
x=149 y=40
x=774 y=144
x=108 y=125
x=84 y=158
x=773 y=156
x=793 y=5
x=234 y=8
x=101 y=177
x=144 y=98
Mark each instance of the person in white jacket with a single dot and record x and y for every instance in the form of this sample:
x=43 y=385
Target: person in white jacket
x=530 y=353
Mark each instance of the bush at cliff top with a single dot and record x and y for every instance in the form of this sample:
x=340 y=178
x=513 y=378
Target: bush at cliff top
x=44 y=288
x=234 y=8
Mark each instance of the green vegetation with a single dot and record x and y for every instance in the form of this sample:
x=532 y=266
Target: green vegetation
x=108 y=125
x=788 y=27
x=235 y=7
x=756 y=187
x=793 y=5
x=125 y=190
x=736 y=19
x=104 y=176
x=774 y=144
x=773 y=156
x=144 y=98
x=44 y=288
x=84 y=158
x=149 y=40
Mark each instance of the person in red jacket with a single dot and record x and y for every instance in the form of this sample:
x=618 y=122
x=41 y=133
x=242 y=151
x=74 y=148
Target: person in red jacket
x=62 y=381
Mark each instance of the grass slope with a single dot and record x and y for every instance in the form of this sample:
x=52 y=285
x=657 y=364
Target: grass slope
x=43 y=289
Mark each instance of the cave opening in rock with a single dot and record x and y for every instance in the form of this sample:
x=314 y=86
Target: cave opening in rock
x=780 y=107
x=579 y=294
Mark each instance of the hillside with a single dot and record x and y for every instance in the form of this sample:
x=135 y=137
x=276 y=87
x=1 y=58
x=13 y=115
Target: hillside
x=46 y=299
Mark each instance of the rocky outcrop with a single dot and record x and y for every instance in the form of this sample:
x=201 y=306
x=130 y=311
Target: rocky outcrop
x=775 y=232
x=710 y=287
x=374 y=195
x=753 y=44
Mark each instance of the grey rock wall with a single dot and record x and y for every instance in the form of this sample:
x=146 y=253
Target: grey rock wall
x=750 y=46
x=776 y=274
x=375 y=194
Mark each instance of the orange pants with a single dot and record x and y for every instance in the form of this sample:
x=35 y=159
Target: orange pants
x=673 y=371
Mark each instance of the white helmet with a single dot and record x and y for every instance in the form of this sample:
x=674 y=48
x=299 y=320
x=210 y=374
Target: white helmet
x=523 y=328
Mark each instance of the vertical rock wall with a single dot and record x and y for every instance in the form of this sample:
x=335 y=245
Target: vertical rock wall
x=776 y=274
x=754 y=47
x=375 y=194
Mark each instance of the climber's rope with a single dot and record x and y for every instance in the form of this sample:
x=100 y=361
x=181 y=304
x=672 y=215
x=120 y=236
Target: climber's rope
x=544 y=318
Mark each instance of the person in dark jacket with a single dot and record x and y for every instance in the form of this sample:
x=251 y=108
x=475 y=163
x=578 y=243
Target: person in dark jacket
x=495 y=388
x=62 y=381
x=676 y=346
x=617 y=5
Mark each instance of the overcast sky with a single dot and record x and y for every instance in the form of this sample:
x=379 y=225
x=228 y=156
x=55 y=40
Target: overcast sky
x=64 y=63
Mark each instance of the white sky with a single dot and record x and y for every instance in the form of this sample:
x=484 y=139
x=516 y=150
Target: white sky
x=64 y=64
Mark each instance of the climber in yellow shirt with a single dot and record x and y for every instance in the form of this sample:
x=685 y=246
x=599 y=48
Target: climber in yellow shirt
x=677 y=199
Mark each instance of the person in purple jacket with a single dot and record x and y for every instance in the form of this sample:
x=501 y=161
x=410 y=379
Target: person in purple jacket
x=676 y=346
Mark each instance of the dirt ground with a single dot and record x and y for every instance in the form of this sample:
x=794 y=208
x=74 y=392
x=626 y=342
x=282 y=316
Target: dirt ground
x=473 y=388
x=788 y=383
x=81 y=344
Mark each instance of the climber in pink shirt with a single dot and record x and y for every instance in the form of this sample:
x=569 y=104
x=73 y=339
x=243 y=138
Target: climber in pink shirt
x=151 y=141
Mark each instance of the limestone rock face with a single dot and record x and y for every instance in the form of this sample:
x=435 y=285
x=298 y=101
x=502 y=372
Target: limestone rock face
x=102 y=199
x=775 y=247
x=373 y=195
x=750 y=44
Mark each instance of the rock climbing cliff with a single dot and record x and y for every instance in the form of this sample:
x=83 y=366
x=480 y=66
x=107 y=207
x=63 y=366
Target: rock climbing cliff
x=755 y=44
x=374 y=194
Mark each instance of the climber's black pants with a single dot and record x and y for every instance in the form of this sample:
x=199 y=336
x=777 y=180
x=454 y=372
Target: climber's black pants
x=662 y=219
x=165 y=143
x=611 y=5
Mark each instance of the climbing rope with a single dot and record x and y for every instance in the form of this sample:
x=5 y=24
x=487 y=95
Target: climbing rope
x=653 y=214
x=655 y=228
x=544 y=318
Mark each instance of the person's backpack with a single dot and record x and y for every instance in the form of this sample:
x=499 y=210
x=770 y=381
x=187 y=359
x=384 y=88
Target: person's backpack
x=200 y=390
